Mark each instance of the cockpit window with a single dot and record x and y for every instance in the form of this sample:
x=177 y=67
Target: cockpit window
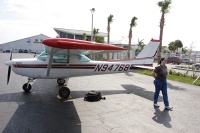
x=83 y=58
x=42 y=56
x=61 y=58
x=57 y=58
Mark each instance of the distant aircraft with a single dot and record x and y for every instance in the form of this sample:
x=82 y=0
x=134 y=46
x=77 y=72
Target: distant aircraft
x=64 y=58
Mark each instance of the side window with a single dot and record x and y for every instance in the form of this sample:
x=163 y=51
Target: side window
x=83 y=58
x=57 y=58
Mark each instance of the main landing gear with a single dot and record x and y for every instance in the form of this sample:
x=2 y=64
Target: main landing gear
x=64 y=92
x=27 y=86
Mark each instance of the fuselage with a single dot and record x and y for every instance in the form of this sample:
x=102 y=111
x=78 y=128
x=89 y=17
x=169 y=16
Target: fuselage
x=76 y=65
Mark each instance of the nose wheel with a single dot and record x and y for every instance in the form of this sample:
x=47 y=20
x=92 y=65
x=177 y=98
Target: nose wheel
x=27 y=86
x=61 y=81
x=64 y=92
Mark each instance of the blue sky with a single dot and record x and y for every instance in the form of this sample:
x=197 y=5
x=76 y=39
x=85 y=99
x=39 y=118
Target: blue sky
x=24 y=18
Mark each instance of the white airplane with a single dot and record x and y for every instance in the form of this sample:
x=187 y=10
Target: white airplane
x=64 y=58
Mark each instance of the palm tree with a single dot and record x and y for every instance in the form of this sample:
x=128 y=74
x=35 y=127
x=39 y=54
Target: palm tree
x=165 y=7
x=141 y=44
x=95 y=32
x=132 y=24
x=84 y=36
x=110 y=20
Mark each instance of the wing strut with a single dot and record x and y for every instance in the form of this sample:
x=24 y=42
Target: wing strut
x=50 y=61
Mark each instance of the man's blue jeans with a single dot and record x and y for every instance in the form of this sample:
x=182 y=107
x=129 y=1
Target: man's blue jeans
x=161 y=85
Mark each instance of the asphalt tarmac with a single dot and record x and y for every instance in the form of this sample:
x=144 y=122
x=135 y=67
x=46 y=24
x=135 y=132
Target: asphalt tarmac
x=128 y=107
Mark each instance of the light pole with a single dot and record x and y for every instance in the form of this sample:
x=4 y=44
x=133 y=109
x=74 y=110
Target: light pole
x=92 y=11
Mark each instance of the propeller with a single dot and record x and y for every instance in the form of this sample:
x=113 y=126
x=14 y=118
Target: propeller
x=9 y=69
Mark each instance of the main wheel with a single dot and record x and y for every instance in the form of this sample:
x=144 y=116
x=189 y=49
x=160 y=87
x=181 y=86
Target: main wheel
x=64 y=92
x=26 y=87
x=61 y=81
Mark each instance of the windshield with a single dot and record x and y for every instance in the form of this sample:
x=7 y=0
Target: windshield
x=61 y=58
x=42 y=56
x=57 y=58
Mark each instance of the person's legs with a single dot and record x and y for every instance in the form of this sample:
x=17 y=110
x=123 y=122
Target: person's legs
x=164 y=93
x=157 y=90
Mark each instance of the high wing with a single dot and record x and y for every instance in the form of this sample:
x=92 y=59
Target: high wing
x=66 y=43
x=75 y=46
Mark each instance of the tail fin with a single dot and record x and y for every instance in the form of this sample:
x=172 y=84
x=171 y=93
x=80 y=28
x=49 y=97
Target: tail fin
x=150 y=49
x=146 y=56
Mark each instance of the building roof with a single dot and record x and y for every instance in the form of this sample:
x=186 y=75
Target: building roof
x=79 y=32
x=26 y=38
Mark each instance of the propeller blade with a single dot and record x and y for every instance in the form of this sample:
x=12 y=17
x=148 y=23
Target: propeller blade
x=9 y=71
x=11 y=55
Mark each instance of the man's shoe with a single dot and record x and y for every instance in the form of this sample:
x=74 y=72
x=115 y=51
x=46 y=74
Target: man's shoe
x=156 y=105
x=168 y=107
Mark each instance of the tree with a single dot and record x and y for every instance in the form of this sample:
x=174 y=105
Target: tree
x=140 y=45
x=165 y=7
x=132 y=24
x=110 y=20
x=172 y=47
x=164 y=49
x=99 y=39
x=184 y=50
x=84 y=36
x=95 y=32
x=178 y=44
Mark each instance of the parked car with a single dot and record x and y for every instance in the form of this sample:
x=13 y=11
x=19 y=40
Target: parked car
x=7 y=51
x=174 y=60
x=197 y=65
x=187 y=61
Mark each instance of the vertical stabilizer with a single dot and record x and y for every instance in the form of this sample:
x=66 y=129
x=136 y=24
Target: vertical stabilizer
x=150 y=49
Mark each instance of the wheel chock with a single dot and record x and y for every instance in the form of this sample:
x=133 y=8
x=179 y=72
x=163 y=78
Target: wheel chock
x=59 y=97
x=70 y=97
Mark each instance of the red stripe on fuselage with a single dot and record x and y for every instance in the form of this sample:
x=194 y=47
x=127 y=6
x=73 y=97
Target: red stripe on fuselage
x=67 y=66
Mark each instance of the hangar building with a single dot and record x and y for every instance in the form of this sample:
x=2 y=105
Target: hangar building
x=25 y=45
x=30 y=44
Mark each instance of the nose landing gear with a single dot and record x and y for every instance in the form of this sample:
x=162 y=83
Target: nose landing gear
x=27 y=86
x=61 y=81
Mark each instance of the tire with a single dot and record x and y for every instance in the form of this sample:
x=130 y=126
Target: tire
x=64 y=92
x=25 y=88
x=197 y=66
x=25 y=51
x=61 y=81
x=20 y=51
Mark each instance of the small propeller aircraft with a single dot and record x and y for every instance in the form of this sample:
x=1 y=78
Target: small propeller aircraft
x=64 y=58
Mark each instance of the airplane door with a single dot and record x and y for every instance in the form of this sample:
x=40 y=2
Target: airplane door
x=59 y=65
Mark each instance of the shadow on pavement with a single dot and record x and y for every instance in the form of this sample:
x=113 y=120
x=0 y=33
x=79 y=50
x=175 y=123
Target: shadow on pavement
x=141 y=92
x=162 y=117
x=36 y=115
x=171 y=86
